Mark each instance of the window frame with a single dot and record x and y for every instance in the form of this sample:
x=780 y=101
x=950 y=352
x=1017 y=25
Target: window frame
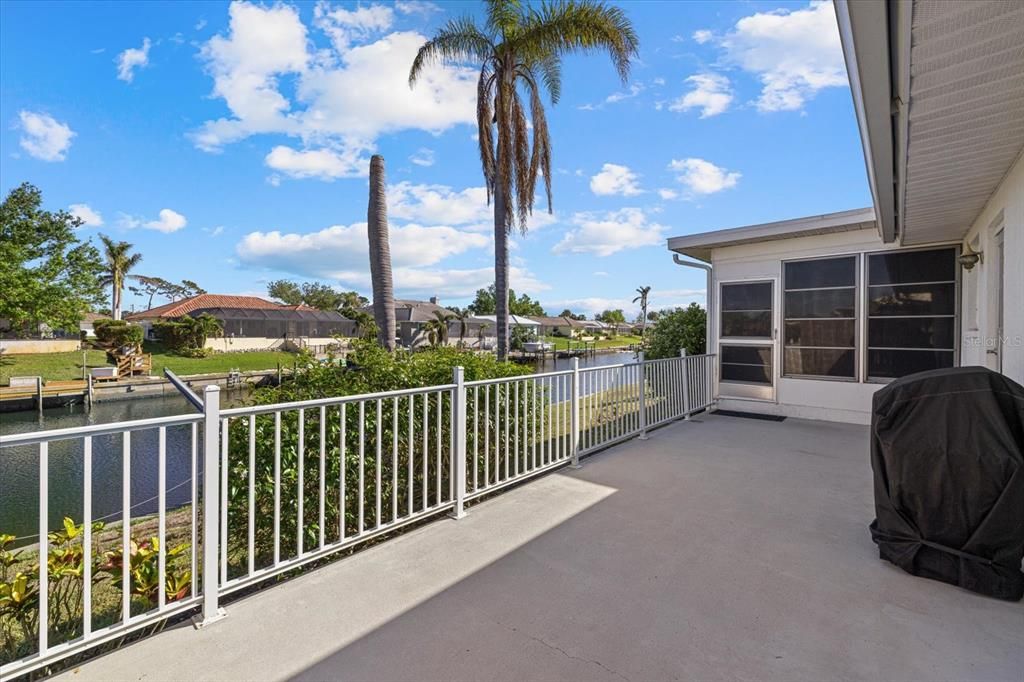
x=747 y=390
x=957 y=315
x=858 y=307
x=771 y=311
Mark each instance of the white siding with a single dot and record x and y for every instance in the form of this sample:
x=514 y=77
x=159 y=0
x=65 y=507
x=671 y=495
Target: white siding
x=1005 y=210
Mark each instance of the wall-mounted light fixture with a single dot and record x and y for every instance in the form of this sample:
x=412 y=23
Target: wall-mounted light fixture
x=969 y=258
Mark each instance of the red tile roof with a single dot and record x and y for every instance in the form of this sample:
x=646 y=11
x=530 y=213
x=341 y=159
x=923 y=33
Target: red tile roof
x=202 y=301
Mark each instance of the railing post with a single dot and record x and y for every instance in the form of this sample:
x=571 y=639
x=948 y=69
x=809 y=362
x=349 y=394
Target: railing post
x=687 y=408
x=458 y=467
x=643 y=397
x=211 y=508
x=574 y=413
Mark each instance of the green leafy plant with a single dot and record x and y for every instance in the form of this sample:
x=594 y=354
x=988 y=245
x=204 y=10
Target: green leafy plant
x=117 y=333
x=677 y=329
x=144 y=571
x=187 y=335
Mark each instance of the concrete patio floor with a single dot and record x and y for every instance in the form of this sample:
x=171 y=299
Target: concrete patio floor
x=720 y=549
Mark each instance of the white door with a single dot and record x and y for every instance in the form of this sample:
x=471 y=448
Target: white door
x=747 y=339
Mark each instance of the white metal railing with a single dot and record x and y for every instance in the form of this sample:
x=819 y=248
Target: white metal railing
x=273 y=487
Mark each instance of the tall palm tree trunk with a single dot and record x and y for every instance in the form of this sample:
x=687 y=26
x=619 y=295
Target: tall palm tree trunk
x=115 y=299
x=380 y=256
x=501 y=271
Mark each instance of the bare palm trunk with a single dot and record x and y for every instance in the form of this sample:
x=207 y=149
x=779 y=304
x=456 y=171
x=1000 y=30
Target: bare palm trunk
x=115 y=300
x=500 y=271
x=380 y=256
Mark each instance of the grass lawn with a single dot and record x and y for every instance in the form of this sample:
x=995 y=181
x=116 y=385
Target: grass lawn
x=65 y=366
x=562 y=343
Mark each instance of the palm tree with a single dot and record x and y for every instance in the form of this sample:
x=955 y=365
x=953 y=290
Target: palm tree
x=462 y=316
x=642 y=299
x=437 y=328
x=119 y=261
x=380 y=256
x=522 y=47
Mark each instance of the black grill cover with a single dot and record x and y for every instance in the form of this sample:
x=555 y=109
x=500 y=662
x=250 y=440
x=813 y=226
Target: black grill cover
x=947 y=449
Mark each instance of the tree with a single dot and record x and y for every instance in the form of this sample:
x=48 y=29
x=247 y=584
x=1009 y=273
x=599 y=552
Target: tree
x=611 y=316
x=437 y=328
x=642 y=300
x=677 y=329
x=119 y=263
x=47 y=276
x=285 y=291
x=570 y=315
x=484 y=304
x=462 y=317
x=520 y=47
x=380 y=256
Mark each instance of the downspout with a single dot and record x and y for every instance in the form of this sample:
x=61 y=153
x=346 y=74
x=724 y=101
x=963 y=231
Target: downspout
x=709 y=296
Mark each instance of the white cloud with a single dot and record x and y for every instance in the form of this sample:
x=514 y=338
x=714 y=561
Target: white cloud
x=600 y=273
x=793 y=53
x=340 y=98
x=85 y=213
x=423 y=157
x=43 y=136
x=667 y=194
x=702 y=36
x=200 y=25
x=678 y=38
x=703 y=177
x=603 y=234
x=420 y=7
x=131 y=59
x=634 y=90
x=169 y=221
x=658 y=81
x=615 y=179
x=323 y=164
x=442 y=205
x=711 y=94
x=343 y=26
x=342 y=249
x=214 y=232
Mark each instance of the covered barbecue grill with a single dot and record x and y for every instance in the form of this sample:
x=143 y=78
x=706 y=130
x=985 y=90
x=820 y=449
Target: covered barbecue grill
x=947 y=450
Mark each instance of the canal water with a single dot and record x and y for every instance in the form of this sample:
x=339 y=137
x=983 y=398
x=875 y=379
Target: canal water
x=19 y=466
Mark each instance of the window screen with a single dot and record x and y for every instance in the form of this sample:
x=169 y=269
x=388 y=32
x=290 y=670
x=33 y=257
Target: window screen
x=747 y=310
x=820 y=317
x=748 y=364
x=911 y=312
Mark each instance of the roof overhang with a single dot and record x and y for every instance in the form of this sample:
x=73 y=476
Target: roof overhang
x=938 y=90
x=700 y=246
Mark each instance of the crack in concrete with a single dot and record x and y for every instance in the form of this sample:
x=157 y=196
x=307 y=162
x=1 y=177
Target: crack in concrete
x=563 y=651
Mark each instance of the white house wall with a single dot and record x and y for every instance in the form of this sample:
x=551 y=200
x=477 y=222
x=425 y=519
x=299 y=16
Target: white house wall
x=1004 y=210
x=832 y=400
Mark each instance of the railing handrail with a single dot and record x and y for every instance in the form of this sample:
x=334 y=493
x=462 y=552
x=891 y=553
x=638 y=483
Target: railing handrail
x=336 y=400
x=518 y=377
x=111 y=428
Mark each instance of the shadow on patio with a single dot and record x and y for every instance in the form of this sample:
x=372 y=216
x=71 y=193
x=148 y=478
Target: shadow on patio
x=723 y=548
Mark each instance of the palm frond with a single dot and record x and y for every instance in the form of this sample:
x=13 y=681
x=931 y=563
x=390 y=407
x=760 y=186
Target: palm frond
x=506 y=153
x=541 y=161
x=504 y=17
x=457 y=41
x=485 y=127
x=524 y=180
x=564 y=26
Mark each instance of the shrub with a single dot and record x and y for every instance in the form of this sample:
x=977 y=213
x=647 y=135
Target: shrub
x=117 y=333
x=677 y=329
x=187 y=334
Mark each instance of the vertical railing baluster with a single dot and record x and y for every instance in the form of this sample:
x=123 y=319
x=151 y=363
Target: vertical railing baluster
x=687 y=408
x=194 y=456
x=394 y=459
x=515 y=417
x=476 y=439
x=426 y=457
x=300 y=525
x=574 y=427
x=277 y=487
x=643 y=396
x=497 y=433
x=323 y=474
x=437 y=445
x=44 y=547
x=343 y=468
x=225 y=424
x=126 y=529
x=508 y=425
x=362 y=466
x=376 y=465
x=87 y=538
x=251 y=525
x=161 y=493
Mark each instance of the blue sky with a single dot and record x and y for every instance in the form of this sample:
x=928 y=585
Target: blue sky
x=230 y=142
